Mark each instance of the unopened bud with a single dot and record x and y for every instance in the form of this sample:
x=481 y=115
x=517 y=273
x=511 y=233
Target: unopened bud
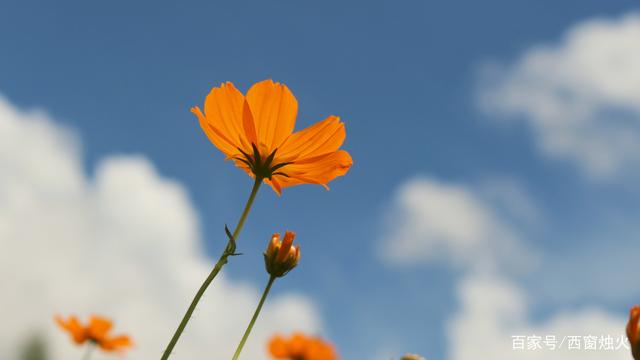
x=412 y=357
x=281 y=255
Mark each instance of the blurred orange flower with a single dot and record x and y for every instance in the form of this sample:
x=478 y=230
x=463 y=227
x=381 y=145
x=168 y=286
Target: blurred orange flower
x=633 y=331
x=256 y=131
x=96 y=331
x=301 y=347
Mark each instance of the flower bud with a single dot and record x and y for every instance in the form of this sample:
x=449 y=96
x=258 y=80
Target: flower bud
x=633 y=331
x=412 y=357
x=281 y=255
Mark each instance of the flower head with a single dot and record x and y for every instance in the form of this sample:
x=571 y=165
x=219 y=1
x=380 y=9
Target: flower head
x=301 y=347
x=96 y=331
x=281 y=255
x=633 y=331
x=256 y=131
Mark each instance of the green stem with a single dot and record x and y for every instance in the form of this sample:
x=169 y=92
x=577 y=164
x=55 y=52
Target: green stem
x=228 y=251
x=253 y=319
x=88 y=351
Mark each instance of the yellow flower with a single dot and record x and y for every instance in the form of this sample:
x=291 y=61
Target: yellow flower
x=281 y=256
x=256 y=131
x=633 y=331
x=96 y=331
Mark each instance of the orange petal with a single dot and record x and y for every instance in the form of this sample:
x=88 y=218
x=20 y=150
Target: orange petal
x=297 y=345
x=278 y=347
x=74 y=328
x=321 y=138
x=274 y=244
x=99 y=327
x=116 y=343
x=274 y=110
x=319 y=170
x=285 y=246
x=318 y=349
x=248 y=124
x=275 y=184
x=328 y=352
x=222 y=120
x=215 y=135
x=279 y=182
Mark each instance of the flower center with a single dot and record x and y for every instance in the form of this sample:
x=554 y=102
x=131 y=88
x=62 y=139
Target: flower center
x=262 y=167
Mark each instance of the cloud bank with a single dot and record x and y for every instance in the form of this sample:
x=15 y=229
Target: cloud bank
x=459 y=225
x=493 y=309
x=580 y=96
x=436 y=221
x=124 y=243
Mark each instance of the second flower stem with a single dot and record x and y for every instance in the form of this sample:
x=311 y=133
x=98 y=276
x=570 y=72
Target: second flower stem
x=229 y=250
x=88 y=351
x=236 y=355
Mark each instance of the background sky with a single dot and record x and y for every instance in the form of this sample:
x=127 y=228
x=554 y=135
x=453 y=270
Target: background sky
x=494 y=187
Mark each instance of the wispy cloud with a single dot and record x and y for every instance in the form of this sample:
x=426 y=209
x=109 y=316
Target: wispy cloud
x=581 y=95
x=465 y=226
x=493 y=309
x=437 y=221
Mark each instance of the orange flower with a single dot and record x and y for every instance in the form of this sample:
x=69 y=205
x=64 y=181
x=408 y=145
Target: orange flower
x=96 y=331
x=301 y=347
x=281 y=255
x=256 y=131
x=633 y=331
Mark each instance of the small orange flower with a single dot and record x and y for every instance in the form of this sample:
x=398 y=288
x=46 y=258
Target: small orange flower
x=96 y=331
x=633 y=331
x=256 y=131
x=301 y=347
x=281 y=255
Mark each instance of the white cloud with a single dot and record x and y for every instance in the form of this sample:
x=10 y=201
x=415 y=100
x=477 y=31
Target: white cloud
x=467 y=224
x=493 y=309
x=431 y=221
x=125 y=244
x=581 y=96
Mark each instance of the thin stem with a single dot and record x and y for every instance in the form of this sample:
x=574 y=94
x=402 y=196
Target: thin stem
x=247 y=207
x=88 y=351
x=228 y=251
x=253 y=319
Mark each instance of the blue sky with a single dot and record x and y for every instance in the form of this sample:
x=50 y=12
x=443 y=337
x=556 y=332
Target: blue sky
x=403 y=76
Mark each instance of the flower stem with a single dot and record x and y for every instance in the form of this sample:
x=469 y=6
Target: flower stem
x=88 y=351
x=229 y=250
x=253 y=319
